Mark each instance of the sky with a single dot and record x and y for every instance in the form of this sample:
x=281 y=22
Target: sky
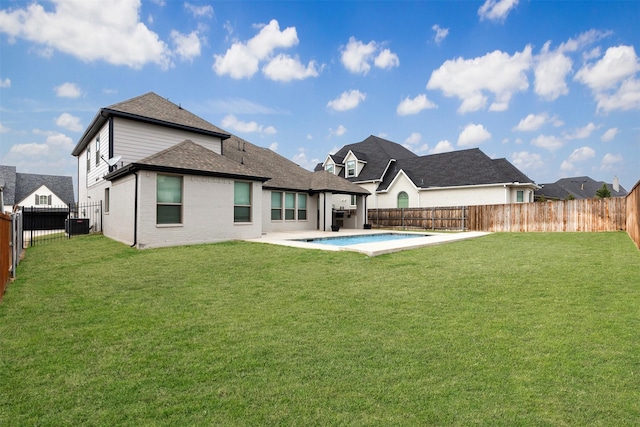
x=552 y=86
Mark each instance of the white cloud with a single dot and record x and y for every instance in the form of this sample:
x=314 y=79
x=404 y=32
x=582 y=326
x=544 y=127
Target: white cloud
x=441 y=33
x=473 y=135
x=232 y=122
x=69 y=122
x=468 y=79
x=413 y=139
x=4 y=129
x=548 y=142
x=30 y=149
x=581 y=154
x=532 y=122
x=187 y=46
x=242 y=59
x=609 y=134
x=5 y=83
x=357 y=57
x=610 y=161
x=199 y=11
x=582 y=133
x=551 y=69
x=527 y=160
x=410 y=106
x=301 y=159
x=612 y=79
x=496 y=10
x=386 y=60
x=273 y=147
x=347 y=100
x=443 y=146
x=68 y=90
x=285 y=68
x=341 y=130
x=567 y=166
x=83 y=29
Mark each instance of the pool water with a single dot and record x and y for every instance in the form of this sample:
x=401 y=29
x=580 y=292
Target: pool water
x=368 y=238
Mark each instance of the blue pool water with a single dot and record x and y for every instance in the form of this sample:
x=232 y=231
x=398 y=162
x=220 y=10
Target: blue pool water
x=369 y=238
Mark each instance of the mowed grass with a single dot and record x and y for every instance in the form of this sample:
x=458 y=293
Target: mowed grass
x=502 y=330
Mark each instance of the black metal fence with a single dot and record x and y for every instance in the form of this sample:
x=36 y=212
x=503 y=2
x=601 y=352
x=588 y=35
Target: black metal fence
x=43 y=224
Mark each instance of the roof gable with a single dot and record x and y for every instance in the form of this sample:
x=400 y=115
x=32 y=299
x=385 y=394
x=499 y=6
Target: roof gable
x=150 y=108
x=27 y=183
x=377 y=152
x=453 y=169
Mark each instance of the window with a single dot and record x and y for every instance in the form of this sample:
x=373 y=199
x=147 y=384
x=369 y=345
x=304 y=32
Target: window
x=329 y=168
x=403 y=200
x=520 y=196
x=106 y=200
x=289 y=206
x=351 y=168
x=302 y=207
x=169 y=200
x=88 y=158
x=241 y=201
x=97 y=151
x=276 y=206
x=354 y=200
x=43 y=200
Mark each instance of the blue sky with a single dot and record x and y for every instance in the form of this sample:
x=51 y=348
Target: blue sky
x=554 y=87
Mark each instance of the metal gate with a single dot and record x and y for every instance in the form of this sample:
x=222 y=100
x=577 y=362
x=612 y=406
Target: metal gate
x=42 y=224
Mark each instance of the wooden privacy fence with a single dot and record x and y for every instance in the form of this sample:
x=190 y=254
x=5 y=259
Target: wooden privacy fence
x=434 y=218
x=608 y=214
x=633 y=214
x=5 y=251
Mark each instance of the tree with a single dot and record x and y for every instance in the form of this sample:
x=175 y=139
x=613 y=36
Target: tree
x=603 y=192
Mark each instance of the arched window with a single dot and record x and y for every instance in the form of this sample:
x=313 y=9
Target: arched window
x=403 y=200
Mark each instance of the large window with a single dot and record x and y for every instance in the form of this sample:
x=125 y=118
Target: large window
x=329 y=168
x=276 y=206
x=403 y=200
x=89 y=157
x=520 y=196
x=290 y=206
x=169 y=200
x=351 y=168
x=242 y=201
x=354 y=200
x=302 y=207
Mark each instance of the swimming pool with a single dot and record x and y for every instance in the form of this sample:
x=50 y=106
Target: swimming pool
x=366 y=238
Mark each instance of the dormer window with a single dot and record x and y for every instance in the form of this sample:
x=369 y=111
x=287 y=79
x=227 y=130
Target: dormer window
x=329 y=168
x=351 y=168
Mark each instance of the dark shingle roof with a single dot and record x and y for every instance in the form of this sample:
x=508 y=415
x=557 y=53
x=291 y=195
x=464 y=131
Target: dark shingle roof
x=581 y=187
x=284 y=174
x=191 y=158
x=150 y=108
x=376 y=152
x=455 y=168
x=27 y=183
x=8 y=182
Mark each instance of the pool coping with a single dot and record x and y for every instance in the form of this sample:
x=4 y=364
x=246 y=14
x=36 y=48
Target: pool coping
x=297 y=239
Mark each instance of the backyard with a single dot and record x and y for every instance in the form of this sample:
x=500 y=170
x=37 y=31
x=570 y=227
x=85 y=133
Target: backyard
x=502 y=330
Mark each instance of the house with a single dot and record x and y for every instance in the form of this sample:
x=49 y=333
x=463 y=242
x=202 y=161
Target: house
x=168 y=177
x=34 y=190
x=397 y=177
x=577 y=187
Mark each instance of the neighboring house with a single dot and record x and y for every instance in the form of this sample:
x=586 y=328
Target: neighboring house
x=168 y=177
x=34 y=190
x=577 y=187
x=396 y=177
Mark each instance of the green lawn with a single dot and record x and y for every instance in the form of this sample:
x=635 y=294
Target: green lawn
x=502 y=330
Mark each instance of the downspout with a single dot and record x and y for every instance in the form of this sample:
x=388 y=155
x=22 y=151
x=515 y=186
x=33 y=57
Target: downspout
x=324 y=212
x=135 y=214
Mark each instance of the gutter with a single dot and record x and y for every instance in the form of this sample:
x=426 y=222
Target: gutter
x=135 y=213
